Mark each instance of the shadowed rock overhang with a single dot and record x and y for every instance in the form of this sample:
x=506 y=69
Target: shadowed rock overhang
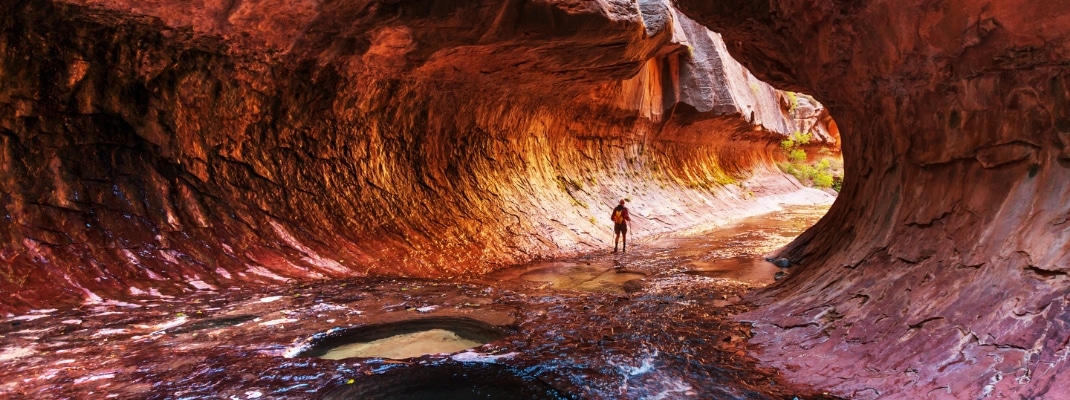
x=942 y=268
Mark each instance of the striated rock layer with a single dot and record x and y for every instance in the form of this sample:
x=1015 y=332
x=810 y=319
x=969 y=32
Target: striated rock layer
x=942 y=270
x=163 y=147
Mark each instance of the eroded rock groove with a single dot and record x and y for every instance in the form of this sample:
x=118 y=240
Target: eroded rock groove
x=159 y=148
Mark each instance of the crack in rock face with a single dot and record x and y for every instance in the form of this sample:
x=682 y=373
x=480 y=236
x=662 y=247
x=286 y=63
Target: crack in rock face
x=952 y=113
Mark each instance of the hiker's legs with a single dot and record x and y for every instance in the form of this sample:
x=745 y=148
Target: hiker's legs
x=623 y=242
x=616 y=238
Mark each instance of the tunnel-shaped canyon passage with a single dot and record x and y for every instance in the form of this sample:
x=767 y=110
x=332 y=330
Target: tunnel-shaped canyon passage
x=198 y=148
x=160 y=149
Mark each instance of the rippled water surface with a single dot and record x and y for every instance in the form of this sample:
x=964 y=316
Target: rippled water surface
x=650 y=323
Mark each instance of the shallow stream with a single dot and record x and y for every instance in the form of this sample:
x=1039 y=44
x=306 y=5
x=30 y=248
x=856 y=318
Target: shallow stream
x=654 y=322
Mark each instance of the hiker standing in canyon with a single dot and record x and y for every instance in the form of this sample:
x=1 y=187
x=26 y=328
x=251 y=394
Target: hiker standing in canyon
x=620 y=226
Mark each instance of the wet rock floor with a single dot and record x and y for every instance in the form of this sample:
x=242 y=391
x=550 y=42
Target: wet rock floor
x=653 y=322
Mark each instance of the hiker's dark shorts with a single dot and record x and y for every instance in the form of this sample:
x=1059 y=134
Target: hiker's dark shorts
x=620 y=228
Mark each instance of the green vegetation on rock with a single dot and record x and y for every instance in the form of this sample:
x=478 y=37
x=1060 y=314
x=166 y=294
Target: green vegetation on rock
x=824 y=173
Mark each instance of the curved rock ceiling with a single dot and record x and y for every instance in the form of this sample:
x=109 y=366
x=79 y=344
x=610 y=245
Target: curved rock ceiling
x=173 y=146
x=942 y=270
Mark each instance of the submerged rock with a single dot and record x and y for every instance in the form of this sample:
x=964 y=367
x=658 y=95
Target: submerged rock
x=779 y=262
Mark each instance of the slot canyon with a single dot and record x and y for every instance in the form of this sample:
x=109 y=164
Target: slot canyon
x=195 y=192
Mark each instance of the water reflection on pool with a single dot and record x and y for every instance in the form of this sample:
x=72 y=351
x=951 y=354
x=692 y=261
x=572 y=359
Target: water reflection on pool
x=655 y=322
x=585 y=276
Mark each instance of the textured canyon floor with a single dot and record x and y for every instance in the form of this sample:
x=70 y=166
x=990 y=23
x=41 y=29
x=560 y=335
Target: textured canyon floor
x=654 y=322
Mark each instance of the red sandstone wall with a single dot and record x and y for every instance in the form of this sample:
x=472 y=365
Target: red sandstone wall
x=175 y=146
x=942 y=269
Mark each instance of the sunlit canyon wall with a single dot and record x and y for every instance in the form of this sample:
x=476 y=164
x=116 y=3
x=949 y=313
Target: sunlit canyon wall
x=155 y=148
x=942 y=269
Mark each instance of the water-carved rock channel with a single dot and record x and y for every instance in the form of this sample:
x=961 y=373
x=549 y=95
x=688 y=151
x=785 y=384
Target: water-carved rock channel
x=654 y=321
